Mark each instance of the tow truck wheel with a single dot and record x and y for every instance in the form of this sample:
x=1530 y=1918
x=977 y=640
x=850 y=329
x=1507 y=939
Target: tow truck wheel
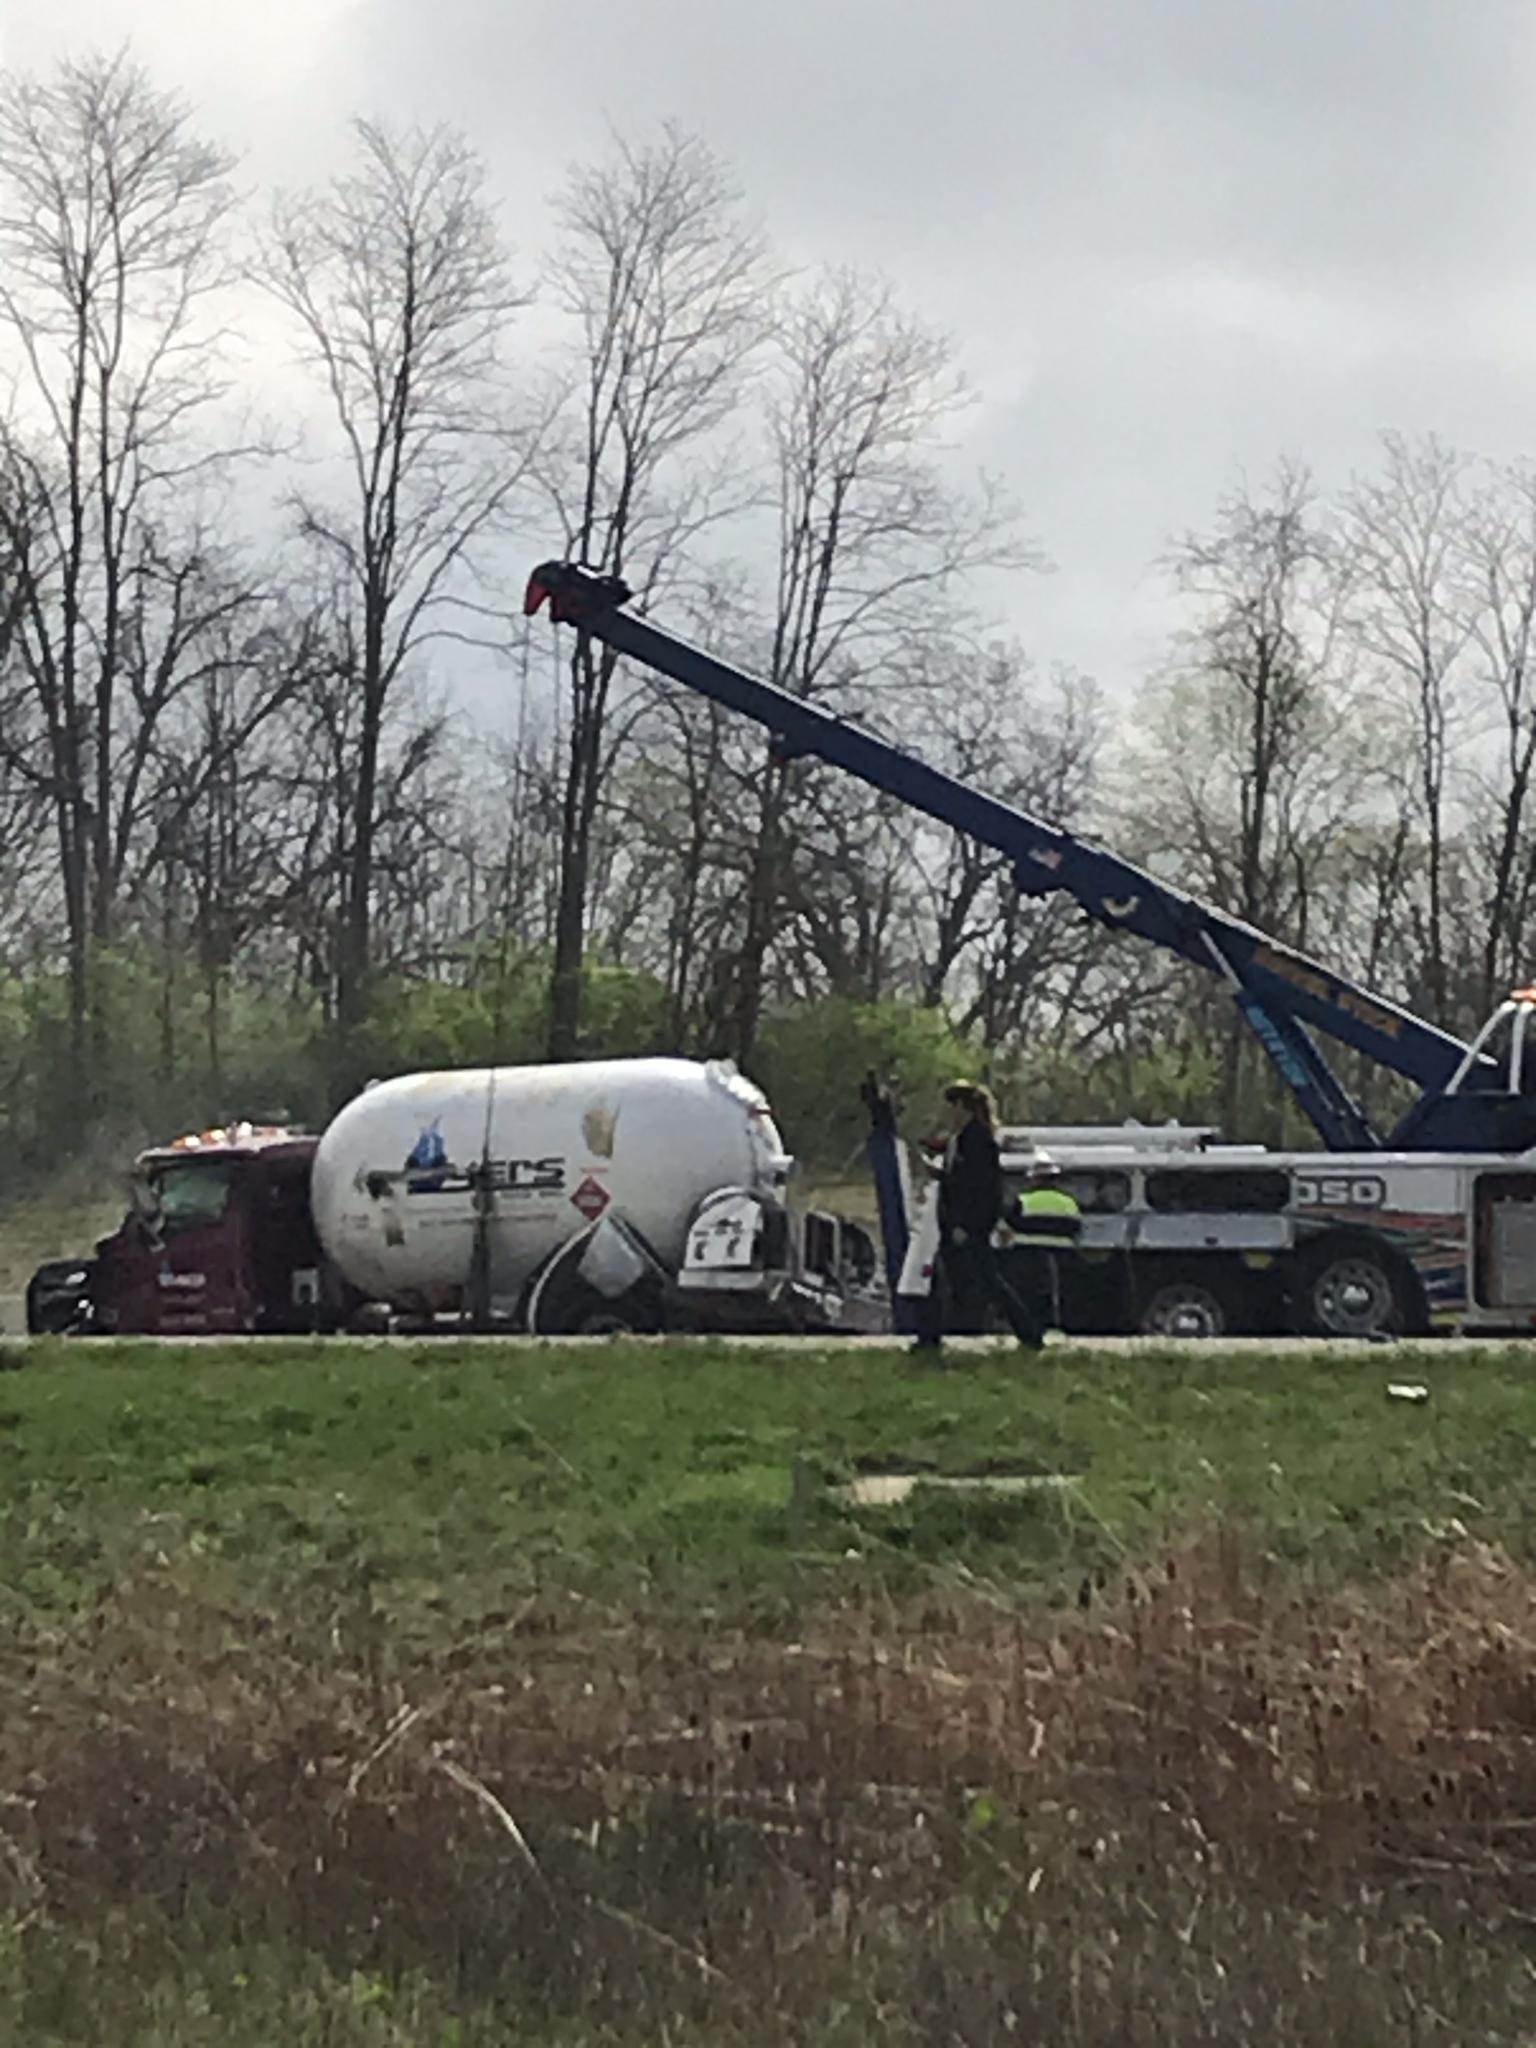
x=1347 y=1289
x=1182 y=1305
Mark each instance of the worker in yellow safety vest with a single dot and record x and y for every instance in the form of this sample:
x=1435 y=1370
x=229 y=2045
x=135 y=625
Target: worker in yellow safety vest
x=1045 y=1226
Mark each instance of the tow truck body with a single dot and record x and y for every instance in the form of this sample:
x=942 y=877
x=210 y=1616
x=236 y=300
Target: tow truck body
x=1183 y=1236
x=1431 y=1220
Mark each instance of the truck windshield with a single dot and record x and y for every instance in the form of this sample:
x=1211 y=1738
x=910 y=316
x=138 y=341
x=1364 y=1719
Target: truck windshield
x=188 y=1196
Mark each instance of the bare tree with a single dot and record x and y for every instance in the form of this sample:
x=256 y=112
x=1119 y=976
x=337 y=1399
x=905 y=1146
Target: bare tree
x=397 y=284
x=415 y=821
x=1404 y=532
x=213 y=812
x=990 y=720
x=1249 y=716
x=1246 y=761
x=665 y=284
x=871 y=539
x=674 y=805
x=1500 y=578
x=28 y=890
x=112 y=266
x=690 y=780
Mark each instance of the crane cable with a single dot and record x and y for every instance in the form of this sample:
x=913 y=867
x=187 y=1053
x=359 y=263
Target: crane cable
x=485 y=1199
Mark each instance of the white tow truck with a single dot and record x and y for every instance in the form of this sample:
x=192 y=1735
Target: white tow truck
x=1186 y=1236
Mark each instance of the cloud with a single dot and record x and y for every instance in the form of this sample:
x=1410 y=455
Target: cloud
x=1171 y=237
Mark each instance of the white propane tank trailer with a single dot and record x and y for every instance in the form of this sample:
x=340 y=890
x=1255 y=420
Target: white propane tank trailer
x=598 y=1196
x=607 y=1195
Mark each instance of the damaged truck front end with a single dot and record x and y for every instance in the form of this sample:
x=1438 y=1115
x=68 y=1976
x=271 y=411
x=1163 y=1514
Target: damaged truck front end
x=217 y=1239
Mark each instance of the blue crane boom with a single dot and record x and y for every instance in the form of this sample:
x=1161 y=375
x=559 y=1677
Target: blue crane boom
x=1463 y=1104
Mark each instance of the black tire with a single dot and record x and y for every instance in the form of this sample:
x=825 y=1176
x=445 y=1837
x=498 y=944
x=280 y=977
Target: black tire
x=1352 y=1287
x=1184 y=1302
x=559 y=1303
x=370 y=1319
x=59 y=1298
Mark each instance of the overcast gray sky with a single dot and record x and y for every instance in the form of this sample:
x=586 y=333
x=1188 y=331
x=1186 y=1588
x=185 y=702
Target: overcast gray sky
x=1173 y=238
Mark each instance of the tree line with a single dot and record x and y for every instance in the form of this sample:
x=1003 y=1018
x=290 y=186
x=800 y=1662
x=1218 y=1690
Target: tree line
x=254 y=848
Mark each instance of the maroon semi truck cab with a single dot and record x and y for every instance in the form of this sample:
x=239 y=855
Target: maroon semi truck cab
x=219 y=1238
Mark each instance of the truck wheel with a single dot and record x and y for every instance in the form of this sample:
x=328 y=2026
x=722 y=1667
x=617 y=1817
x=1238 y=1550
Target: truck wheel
x=58 y=1300
x=1347 y=1289
x=1183 y=1305
x=605 y=1324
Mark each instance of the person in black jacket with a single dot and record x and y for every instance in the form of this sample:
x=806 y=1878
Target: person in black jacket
x=966 y=1271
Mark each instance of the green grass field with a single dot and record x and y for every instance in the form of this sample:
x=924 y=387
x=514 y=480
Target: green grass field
x=464 y=1694
x=465 y=1474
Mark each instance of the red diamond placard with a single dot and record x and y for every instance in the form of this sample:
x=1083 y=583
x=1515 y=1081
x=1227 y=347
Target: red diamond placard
x=591 y=1198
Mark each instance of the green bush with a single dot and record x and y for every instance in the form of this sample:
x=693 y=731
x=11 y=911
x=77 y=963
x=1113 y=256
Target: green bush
x=495 y=1013
x=813 y=1058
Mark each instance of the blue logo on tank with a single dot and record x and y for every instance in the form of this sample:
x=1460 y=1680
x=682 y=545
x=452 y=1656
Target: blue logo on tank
x=429 y=1153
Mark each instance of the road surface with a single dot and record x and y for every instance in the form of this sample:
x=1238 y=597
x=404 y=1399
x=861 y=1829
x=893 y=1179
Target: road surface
x=1425 y=1350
